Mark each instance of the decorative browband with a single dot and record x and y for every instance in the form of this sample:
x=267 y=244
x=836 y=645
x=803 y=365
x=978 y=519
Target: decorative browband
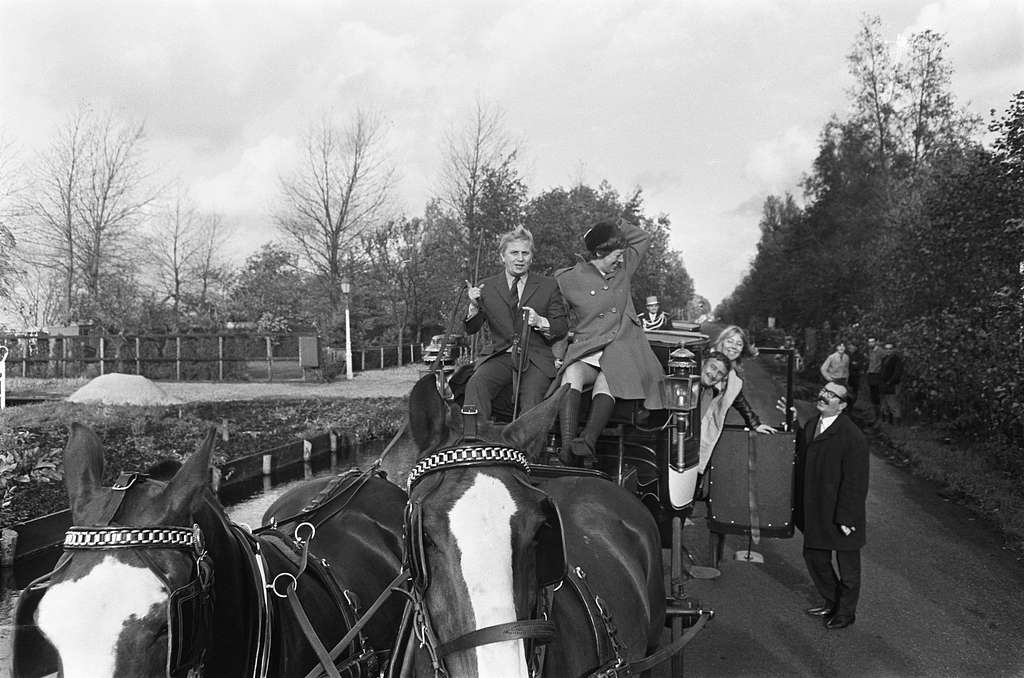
x=469 y=455
x=185 y=538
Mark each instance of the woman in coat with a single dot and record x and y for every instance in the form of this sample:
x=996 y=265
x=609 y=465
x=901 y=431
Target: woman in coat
x=609 y=348
x=733 y=342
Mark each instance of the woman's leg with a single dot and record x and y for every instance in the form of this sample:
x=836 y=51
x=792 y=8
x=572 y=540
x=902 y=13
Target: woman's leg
x=578 y=375
x=601 y=405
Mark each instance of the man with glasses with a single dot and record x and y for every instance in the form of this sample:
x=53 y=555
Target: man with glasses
x=831 y=494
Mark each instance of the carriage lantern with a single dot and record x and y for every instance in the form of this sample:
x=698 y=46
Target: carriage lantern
x=682 y=384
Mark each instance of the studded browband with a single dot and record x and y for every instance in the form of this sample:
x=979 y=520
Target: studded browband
x=468 y=455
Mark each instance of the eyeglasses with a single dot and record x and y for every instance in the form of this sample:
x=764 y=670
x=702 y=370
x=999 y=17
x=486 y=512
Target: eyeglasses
x=827 y=394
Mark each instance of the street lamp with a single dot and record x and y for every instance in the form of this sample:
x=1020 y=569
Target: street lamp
x=346 y=288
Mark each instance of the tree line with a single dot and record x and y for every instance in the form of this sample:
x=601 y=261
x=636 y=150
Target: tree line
x=88 y=233
x=911 y=230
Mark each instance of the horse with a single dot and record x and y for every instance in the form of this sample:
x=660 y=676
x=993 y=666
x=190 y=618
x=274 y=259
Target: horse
x=155 y=580
x=512 y=578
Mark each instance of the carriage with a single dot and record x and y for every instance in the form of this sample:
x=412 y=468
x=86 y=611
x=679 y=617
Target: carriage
x=310 y=598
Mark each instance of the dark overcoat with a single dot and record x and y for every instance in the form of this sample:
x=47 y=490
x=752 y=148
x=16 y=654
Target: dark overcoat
x=603 y=318
x=831 y=485
x=540 y=293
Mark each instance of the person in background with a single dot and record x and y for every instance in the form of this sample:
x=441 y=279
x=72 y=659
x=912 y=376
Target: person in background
x=856 y=370
x=875 y=355
x=608 y=348
x=732 y=342
x=892 y=377
x=505 y=301
x=837 y=366
x=830 y=491
x=654 y=318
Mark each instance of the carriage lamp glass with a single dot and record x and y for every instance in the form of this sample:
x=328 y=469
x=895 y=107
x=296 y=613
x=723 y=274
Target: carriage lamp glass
x=346 y=286
x=681 y=385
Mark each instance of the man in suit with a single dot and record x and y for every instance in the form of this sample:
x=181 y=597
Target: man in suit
x=505 y=302
x=831 y=493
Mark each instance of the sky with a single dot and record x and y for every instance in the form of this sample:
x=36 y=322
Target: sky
x=707 y=105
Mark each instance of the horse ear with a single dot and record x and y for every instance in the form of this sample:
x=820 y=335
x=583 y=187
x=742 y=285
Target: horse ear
x=532 y=425
x=428 y=414
x=186 y=488
x=83 y=466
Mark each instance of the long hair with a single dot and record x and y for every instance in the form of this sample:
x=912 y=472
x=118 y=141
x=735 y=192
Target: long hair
x=748 y=351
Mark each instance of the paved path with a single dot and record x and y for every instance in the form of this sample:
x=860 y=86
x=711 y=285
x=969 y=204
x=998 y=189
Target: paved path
x=940 y=595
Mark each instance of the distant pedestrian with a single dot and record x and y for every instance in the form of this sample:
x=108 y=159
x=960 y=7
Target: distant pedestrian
x=837 y=366
x=831 y=488
x=857 y=366
x=892 y=377
x=875 y=354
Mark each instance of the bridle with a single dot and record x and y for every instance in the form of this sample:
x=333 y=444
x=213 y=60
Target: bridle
x=538 y=630
x=189 y=607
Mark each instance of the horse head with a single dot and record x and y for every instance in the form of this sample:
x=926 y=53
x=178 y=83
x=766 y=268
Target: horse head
x=482 y=541
x=130 y=595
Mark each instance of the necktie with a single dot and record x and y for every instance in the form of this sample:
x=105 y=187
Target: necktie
x=821 y=428
x=513 y=290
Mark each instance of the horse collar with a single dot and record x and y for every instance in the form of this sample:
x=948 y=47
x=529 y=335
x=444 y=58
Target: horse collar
x=468 y=455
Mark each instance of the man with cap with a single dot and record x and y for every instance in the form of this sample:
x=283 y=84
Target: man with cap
x=506 y=302
x=608 y=349
x=654 y=318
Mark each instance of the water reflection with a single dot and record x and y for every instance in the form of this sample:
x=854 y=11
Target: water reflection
x=245 y=502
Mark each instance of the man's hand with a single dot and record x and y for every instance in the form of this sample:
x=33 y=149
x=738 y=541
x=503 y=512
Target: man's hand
x=534 y=319
x=473 y=292
x=780 y=405
x=847 y=530
x=765 y=429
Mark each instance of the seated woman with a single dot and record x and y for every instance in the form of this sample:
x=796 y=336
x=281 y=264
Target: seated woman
x=731 y=341
x=609 y=348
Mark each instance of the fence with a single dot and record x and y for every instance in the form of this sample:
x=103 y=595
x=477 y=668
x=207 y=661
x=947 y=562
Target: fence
x=192 y=357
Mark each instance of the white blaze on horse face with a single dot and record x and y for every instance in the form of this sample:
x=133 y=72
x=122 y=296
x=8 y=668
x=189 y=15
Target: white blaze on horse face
x=481 y=524
x=83 y=619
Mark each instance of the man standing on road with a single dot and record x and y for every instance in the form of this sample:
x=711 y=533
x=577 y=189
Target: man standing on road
x=837 y=366
x=875 y=355
x=892 y=376
x=831 y=494
x=505 y=302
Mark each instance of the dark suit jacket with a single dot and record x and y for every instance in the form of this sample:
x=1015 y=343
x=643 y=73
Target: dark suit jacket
x=831 y=485
x=539 y=293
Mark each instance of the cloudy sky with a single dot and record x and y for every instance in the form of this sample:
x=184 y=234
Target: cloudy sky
x=708 y=105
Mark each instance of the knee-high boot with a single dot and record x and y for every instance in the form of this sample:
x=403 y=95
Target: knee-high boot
x=600 y=412
x=568 y=420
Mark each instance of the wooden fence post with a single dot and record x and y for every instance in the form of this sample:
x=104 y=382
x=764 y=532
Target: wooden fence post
x=177 y=358
x=220 y=357
x=103 y=350
x=138 y=356
x=382 y=357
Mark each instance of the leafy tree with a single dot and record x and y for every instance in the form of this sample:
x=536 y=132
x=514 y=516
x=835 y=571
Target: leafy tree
x=272 y=290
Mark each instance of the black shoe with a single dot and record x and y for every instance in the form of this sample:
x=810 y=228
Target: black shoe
x=820 y=610
x=837 y=622
x=581 y=448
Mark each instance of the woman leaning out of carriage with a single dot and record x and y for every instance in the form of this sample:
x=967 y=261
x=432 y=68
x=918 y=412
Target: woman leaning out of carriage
x=733 y=342
x=609 y=348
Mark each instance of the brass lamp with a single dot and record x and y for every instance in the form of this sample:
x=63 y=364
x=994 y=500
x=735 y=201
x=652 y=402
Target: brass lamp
x=682 y=383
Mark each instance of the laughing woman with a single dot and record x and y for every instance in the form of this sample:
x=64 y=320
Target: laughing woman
x=609 y=348
x=733 y=342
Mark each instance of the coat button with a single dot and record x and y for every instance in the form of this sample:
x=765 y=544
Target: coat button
x=592 y=292
x=613 y=310
x=600 y=315
x=605 y=287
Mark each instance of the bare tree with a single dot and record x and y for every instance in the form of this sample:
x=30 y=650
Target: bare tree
x=87 y=198
x=341 y=190
x=10 y=188
x=470 y=153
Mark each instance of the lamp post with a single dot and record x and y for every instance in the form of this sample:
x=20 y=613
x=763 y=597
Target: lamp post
x=346 y=288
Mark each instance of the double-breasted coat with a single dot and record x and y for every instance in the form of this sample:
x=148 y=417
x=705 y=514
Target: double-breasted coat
x=540 y=292
x=831 y=485
x=604 y=319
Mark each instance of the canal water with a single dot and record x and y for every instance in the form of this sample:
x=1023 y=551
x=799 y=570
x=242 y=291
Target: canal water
x=245 y=503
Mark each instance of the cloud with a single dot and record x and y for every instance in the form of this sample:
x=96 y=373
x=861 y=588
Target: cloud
x=250 y=183
x=777 y=164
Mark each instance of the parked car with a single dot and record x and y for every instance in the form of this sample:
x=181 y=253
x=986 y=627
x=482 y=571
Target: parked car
x=455 y=348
